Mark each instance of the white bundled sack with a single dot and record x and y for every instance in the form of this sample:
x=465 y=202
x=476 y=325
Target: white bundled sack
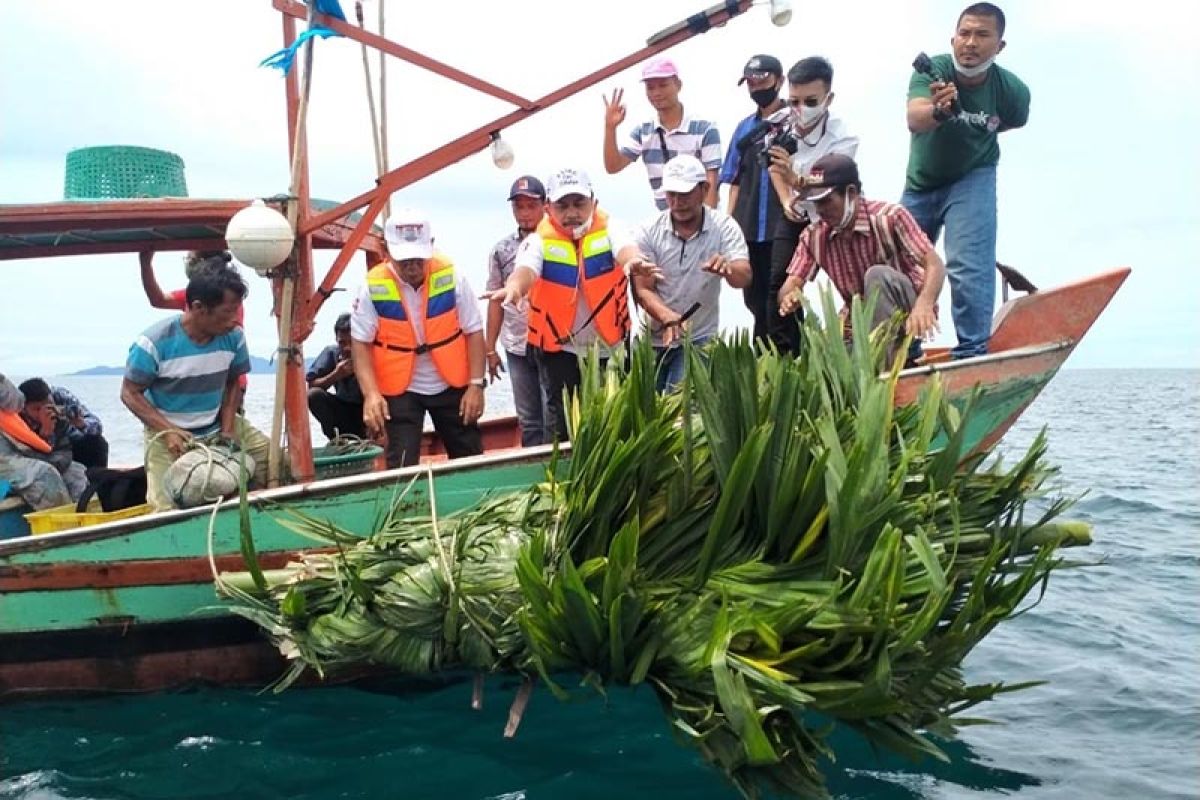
x=205 y=475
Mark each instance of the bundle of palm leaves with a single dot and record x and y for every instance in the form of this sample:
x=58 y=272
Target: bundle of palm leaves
x=773 y=548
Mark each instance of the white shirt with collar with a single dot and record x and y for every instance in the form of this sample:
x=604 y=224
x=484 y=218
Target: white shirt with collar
x=529 y=255
x=364 y=324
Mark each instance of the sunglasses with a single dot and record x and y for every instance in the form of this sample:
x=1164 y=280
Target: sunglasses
x=811 y=102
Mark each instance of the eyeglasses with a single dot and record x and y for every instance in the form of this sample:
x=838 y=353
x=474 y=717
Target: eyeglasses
x=811 y=102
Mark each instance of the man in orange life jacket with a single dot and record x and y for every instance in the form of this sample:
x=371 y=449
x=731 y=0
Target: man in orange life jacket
x=417 y=342
x=574 y=270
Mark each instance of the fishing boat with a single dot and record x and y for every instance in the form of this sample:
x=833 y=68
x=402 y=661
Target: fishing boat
x=129 y=605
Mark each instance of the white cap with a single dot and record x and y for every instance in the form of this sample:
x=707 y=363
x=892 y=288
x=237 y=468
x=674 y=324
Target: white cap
x=408 y=235
x=682 y=173
x=568 y=181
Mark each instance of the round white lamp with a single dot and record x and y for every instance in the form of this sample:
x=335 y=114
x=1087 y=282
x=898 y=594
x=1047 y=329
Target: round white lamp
x=781 y=12
x=502 y=152
x=259 y=237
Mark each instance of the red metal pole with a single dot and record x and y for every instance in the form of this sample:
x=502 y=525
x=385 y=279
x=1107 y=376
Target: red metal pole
x=295 y=402
x=300 y=11
x=478 y=139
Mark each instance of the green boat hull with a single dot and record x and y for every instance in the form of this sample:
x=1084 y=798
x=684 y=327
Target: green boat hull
x=130 y=605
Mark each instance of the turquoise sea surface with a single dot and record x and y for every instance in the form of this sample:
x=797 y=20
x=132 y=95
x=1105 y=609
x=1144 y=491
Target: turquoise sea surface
x=1118 y=643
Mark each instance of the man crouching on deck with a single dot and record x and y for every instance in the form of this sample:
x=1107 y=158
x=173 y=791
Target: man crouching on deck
x=417 y=339
x=865 y=246
x=181 y=380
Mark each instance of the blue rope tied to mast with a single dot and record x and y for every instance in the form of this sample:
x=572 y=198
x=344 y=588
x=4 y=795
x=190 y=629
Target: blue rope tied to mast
x=284 y=58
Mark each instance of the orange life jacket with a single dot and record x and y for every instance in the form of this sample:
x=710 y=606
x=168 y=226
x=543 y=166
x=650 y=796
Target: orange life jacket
x=17 y=430
x=566 y=268
x=396 y=345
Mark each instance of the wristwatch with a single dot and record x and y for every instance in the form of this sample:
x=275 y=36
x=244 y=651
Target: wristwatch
x=481 y=382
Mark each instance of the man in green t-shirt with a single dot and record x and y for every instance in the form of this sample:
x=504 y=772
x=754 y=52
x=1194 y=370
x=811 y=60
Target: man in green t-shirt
x=955 y=116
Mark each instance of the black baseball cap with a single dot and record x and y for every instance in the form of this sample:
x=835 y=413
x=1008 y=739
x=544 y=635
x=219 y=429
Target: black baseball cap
x=829 y=172
x=527 y=186
x=761 y=63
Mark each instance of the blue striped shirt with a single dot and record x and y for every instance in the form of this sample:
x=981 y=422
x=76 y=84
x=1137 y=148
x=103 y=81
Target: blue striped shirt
x=693 y=137
x=185 y=380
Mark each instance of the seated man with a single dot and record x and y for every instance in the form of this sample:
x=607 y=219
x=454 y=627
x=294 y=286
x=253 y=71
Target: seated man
x=339 y=411
x=695 y=248
x=181 y=380
x=572 y=267
x=864 y=245
x=67 y=417
x=417 y=339
x=40 y=476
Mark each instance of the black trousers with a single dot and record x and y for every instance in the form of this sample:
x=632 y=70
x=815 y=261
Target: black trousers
x=407 y=413
x=90 y=450
x=336 y=415
x=784 y=332
x=755 y=295
x=558 y=374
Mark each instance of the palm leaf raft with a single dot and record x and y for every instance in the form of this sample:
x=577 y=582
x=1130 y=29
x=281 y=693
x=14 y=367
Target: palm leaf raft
x=772 y=548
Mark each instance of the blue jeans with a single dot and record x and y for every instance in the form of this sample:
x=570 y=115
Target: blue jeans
x=528 y=398
x=670 y=364
x=967 y=209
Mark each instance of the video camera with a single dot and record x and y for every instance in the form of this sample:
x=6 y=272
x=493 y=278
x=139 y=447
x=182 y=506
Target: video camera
x=924 y=65
x=775 y=130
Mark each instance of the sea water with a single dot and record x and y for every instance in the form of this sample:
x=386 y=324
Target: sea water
x=1118 y=643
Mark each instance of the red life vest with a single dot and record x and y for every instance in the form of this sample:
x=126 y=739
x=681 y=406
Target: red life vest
x=396 y=345
x=568 y=268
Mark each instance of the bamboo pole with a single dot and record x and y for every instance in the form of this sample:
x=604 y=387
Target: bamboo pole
x=383 y=118
x=358 y=13
x=283 y=353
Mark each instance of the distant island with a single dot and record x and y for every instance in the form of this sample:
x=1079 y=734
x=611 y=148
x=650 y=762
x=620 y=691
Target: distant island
x=257 y=365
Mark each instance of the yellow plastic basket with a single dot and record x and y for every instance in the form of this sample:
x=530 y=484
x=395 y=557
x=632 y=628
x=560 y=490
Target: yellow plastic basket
x=62 y=518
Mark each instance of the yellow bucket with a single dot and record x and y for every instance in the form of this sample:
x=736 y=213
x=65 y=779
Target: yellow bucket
x=62 y=518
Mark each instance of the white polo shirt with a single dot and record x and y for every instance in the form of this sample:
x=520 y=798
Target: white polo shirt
x=364 y=324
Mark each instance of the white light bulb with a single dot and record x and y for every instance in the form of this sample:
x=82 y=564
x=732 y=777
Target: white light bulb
x=781 y=12
x=502 y=152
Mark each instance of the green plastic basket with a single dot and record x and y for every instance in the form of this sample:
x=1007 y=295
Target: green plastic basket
x=121 y=172
x=334 y=462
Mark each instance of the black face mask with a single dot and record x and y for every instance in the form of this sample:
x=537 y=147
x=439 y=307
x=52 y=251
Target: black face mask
x=764 y=97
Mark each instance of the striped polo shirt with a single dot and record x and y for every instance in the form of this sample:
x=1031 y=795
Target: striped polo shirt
x=185 y=380
x=693 y=137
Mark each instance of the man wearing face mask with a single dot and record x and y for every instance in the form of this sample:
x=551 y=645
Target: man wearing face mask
x=815 y=132
x=573 y=270
x=417 y=340
x=955 y=120
x=864 y=246
x=752 y=202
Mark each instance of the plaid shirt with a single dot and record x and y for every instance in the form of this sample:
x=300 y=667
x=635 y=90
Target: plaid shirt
x=881 y=233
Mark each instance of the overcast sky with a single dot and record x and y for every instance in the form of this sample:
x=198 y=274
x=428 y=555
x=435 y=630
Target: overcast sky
x=1105 y=174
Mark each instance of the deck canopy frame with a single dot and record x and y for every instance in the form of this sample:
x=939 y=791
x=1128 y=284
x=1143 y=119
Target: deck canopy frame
x=309 y=295
x=127 y=226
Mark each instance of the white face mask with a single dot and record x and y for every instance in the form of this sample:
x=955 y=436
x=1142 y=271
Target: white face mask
x=972 y=72
x=848 y=213
x=579 y=230
x=808 y=116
